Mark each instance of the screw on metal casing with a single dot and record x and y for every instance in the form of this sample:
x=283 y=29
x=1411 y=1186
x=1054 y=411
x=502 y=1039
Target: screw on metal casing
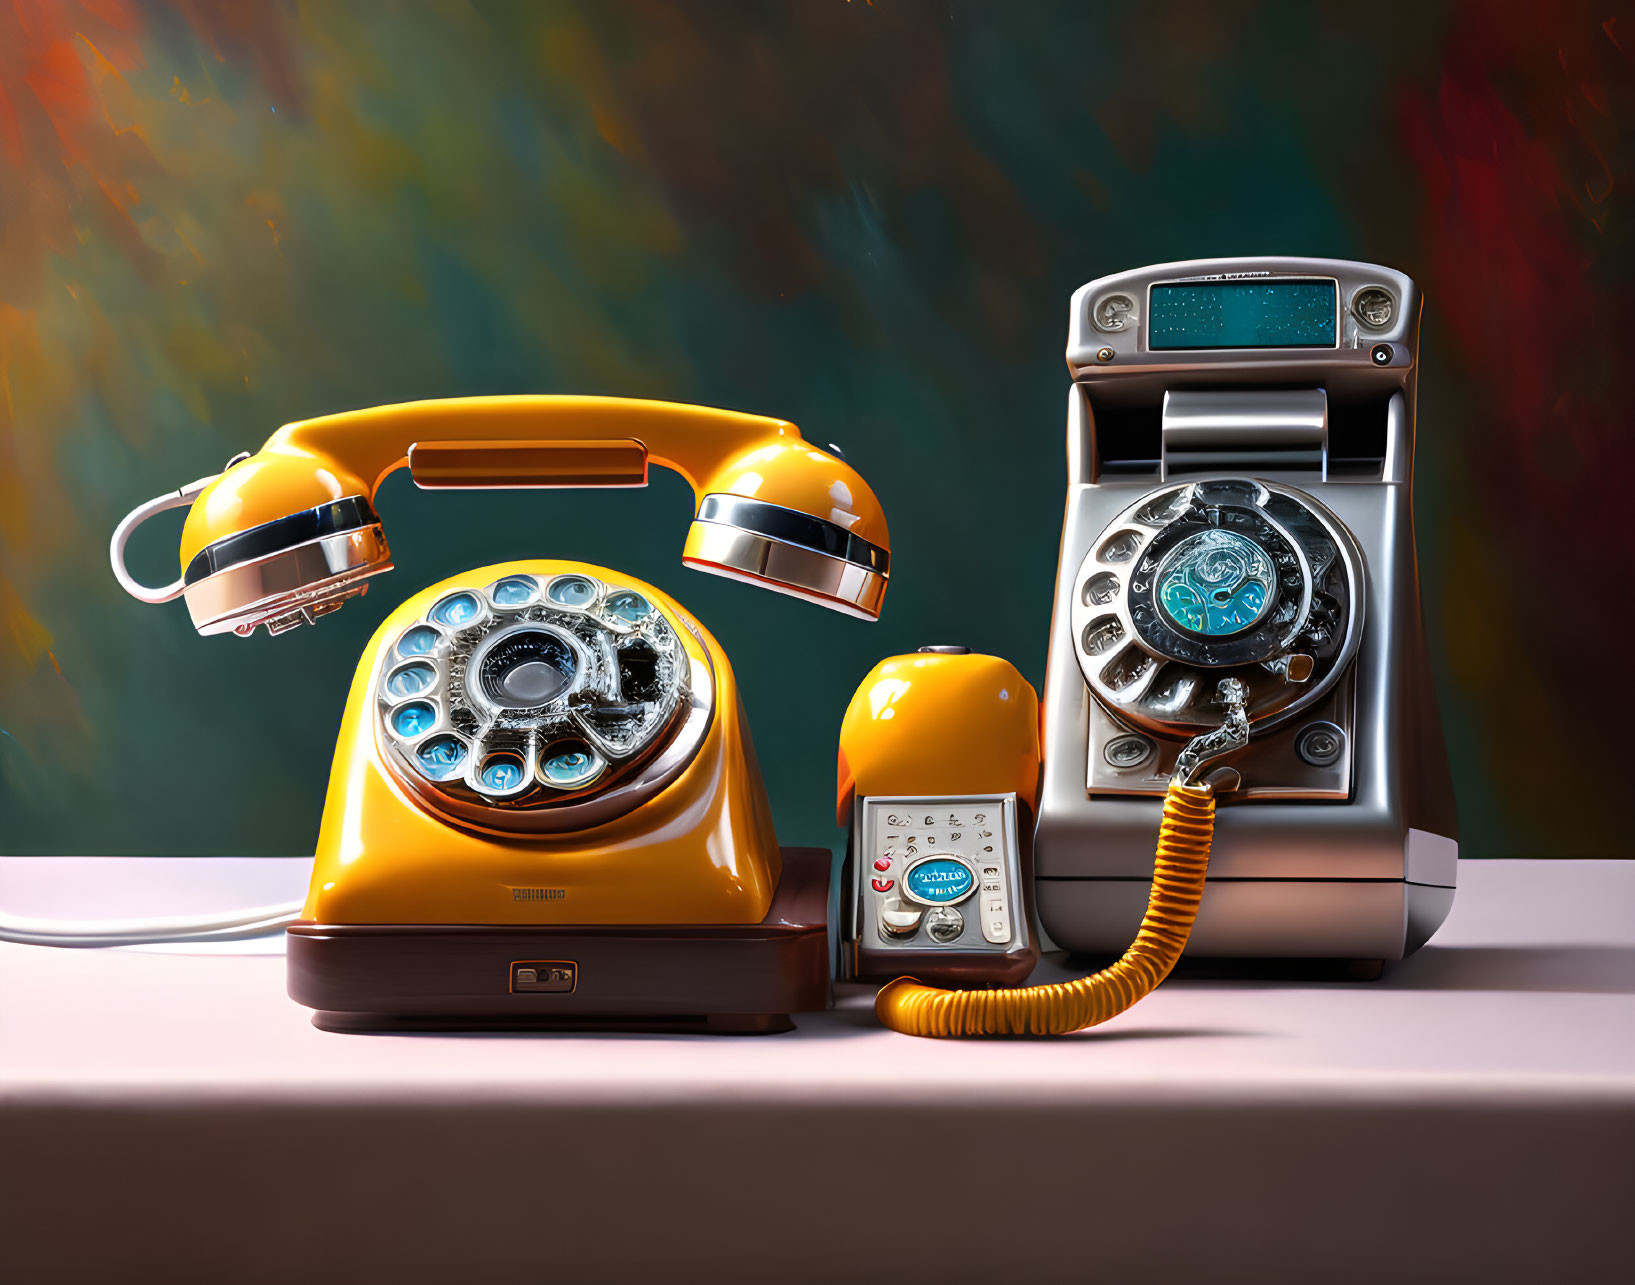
x=1320 y=744
x=1128 y=751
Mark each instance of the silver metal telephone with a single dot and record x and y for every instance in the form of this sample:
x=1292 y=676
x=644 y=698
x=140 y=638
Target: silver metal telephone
x=1239 y=505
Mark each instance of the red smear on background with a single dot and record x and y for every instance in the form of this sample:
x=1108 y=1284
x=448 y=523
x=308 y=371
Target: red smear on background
x=1512 y=153
x=11 y=134
x=254 y=36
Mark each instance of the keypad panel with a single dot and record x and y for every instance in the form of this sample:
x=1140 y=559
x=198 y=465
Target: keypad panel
x=939 y=874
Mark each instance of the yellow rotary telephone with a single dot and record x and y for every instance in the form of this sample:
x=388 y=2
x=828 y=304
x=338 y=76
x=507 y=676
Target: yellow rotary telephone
x=544 y=806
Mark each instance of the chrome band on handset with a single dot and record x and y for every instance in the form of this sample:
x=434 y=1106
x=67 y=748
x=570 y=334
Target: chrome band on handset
x=1240 y=452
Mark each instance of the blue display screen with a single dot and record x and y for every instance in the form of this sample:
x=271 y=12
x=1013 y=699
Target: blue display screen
x=939 y=880
x=1243 y=314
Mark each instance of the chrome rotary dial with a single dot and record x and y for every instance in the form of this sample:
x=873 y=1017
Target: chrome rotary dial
x=1201 y=579
x=514 y=704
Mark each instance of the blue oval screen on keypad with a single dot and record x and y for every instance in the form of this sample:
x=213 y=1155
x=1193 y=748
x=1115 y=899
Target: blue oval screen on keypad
x=940 y=880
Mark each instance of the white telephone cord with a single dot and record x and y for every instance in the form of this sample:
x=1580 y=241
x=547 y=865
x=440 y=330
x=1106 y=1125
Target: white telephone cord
x=232 y=925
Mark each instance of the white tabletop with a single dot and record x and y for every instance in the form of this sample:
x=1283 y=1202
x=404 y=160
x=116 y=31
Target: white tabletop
x=1476 y=1107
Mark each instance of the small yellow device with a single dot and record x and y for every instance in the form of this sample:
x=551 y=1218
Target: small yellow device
x=544 y=805
x=939 y=773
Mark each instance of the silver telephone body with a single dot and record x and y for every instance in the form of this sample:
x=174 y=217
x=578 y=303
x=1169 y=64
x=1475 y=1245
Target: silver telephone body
x=1245 y=511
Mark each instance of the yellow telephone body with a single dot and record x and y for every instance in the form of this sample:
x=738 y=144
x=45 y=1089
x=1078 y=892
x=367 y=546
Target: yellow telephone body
x=702 y=851
x=938 y=781
x=936 y=723
x=938 y=777
x=544 y=806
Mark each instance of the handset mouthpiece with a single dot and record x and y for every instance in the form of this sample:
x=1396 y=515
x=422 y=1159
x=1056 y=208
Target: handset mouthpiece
x=280 y=573
x=288 y=571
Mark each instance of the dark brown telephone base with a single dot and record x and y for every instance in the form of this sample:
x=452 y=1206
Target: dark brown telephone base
x=958 y=971
x=705 y=978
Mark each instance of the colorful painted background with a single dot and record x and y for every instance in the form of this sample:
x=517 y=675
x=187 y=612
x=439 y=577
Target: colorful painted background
x=866 y=217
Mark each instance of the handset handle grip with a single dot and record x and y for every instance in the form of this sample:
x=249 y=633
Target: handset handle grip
x=484 y=465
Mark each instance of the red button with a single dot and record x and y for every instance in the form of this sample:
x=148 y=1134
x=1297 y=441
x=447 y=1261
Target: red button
x=880 y=885
x=882 y=863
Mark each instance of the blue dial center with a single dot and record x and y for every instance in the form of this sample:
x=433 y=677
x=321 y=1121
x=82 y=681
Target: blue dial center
x=1216 y=583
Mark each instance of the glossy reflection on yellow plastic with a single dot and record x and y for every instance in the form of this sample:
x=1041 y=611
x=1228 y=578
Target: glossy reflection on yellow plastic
x=934 y=723
x=701 y=851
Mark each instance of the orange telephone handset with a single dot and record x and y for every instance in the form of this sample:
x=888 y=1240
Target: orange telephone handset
x=290 y=532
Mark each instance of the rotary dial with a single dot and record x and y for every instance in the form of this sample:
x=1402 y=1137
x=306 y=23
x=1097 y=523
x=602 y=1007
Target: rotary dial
x=1200 y=579
x=507 y=702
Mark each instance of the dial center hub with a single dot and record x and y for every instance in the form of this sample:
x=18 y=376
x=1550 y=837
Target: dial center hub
x=527 y=668
x=1216 y=584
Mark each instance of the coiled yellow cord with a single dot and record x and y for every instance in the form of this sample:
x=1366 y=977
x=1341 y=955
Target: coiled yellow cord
x=1184 y=838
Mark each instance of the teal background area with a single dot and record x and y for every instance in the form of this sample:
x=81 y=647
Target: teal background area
x=866 y=218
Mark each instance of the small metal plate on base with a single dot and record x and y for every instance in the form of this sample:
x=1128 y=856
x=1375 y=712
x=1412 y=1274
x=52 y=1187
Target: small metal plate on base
x=545 y=977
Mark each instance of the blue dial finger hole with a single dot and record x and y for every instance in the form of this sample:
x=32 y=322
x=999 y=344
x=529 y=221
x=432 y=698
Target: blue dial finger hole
x=418 y=641
x=514 y=591
x=459 y=610
x=572 y=591
x=569 y=765
x=441 y=756
x=629 y=608
x=502 y=772
x=411 y=680
x=414 y=719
